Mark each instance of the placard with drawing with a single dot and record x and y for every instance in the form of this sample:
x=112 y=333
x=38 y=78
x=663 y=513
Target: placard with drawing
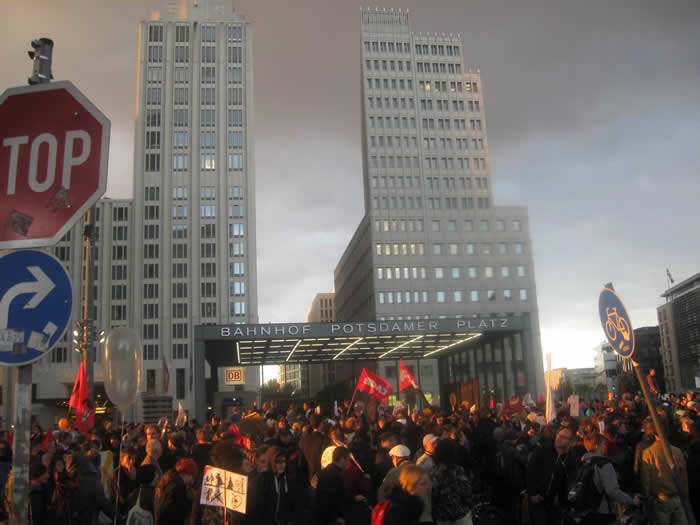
x=221 y=488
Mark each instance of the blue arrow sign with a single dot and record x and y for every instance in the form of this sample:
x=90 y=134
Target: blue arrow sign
x=616 y=323
x=36 y=298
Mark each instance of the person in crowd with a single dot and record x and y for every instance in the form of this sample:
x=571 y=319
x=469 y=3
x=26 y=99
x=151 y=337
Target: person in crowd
x=154 y=450
x=400 y=457
x=451 y=490
x=146 y=478
x=172 y=504
x=658 y=484
x=331 y=498
x=548 y=473
x=38 y=503
x=426 y=461
x=404 y=503
x=87 y=497
x=123 y=481
x=604 y=479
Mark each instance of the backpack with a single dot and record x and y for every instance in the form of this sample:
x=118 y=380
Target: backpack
x=583 y=495
x=138 y=515
x=379 y=512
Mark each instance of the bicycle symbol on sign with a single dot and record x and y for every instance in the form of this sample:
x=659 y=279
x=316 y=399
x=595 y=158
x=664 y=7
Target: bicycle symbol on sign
x=615 y=324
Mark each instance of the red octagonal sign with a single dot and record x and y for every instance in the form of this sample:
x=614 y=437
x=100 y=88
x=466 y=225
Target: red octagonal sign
x=54 y=145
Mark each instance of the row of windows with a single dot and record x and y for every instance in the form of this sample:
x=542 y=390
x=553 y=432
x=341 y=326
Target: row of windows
x=391 y=161
x=437 y=50
x=388 y=65
x=454 y=272
x=441 y=296
x=432 y=203
x=450 y=183
x=387 y=47
x=181 y=75
x=180 y=162
x=450 y=248
x=206 y=193
x=150 y=353
x=451 y=225
x=442 y=86
x=439 y=67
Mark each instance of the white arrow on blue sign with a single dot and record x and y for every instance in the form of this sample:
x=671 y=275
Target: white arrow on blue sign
x=36 y=298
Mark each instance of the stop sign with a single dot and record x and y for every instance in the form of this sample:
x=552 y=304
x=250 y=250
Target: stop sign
x=54 y=145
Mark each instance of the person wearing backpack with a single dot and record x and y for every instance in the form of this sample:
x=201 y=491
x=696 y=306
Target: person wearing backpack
x=595 y=489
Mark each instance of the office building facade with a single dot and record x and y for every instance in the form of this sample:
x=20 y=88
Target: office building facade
x=432 y=244
x=194 y=246
x=679 y=330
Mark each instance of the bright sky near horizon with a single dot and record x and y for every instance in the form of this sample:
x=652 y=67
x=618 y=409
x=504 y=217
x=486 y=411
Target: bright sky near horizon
x=593 y=114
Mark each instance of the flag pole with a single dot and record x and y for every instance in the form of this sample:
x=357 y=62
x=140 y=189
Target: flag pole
x=352 y=402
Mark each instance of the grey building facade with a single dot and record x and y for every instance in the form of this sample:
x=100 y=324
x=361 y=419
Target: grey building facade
x=432 y=244
x=679 y=329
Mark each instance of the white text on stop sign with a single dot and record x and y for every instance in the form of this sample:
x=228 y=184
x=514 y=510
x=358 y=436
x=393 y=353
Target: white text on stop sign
x=48 y=141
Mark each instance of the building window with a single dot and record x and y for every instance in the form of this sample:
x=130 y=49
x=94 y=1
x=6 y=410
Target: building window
x=523 y=294
x=180 y=383
x=208 y=34
x=235 y=33
x=474 y=296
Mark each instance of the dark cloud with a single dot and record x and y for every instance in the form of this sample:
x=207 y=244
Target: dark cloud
x=593 y=114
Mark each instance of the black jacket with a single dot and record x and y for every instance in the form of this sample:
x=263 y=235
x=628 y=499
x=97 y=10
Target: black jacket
x=330 y=495
x=403 y=509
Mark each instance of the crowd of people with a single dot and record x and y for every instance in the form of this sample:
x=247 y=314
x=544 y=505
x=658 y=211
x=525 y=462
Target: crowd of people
x=458 y=466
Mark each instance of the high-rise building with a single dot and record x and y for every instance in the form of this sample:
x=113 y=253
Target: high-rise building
x=193 y=245
x=54 y=374
x=432 y=244
x=679 y=329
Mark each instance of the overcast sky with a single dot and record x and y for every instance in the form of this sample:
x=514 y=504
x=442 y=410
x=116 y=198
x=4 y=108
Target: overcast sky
x=593 y=115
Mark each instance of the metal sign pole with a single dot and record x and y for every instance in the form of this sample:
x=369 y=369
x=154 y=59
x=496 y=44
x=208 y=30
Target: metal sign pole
x=89 y=321
x=19 y=503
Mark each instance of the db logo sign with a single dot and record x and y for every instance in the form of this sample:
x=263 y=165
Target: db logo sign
x=234 y=376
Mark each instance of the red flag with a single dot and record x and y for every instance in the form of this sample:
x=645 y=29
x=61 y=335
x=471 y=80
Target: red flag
x=374 y=385
x=85 y=417
x=48 y=438
x=669 y=276
x=166 y=373
x=76 y=396
x=80 y=400
x=406 y=379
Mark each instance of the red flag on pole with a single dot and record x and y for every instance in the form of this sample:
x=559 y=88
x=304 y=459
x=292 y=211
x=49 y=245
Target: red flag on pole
x=669 y=276
x=374 y=385
x=80 y=400
x=406 y=379
x=76 y=395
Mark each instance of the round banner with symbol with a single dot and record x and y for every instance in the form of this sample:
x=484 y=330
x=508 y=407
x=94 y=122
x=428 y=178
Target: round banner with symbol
x=616 y=323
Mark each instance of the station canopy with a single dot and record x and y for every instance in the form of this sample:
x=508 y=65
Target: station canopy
x=274 y=344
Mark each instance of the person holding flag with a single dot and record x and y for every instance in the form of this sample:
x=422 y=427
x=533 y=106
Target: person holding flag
x=407 y=381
